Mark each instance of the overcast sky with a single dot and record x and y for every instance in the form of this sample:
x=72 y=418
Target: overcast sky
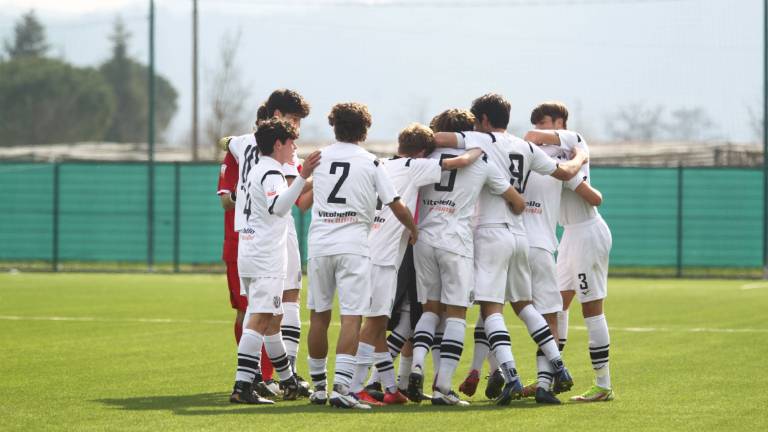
x=409 y=62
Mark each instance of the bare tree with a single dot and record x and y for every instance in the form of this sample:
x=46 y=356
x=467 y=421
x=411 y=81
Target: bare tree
x=637 y=122
x=692 y=124
x=756 y=122
x=227 y=95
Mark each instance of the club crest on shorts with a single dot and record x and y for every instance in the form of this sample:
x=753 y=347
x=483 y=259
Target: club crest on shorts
x=276 y=301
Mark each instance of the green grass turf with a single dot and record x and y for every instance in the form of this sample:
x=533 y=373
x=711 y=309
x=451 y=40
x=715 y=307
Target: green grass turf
x=117 y=372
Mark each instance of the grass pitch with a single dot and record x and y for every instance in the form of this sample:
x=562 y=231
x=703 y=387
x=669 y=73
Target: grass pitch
x=151 y=352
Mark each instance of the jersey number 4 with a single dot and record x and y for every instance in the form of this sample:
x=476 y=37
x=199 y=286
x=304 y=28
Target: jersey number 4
x=333 y=197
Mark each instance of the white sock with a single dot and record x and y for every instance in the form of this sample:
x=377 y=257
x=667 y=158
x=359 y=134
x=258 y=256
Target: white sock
x=498 y=338
x=317 y=371
x=344 y=370
x=404 y=372
x=545 y=370
x=481 y=346
x=437 y=341
x=401 y=333
x=540 y=333
x=422 y=338
x=276 y=352
x=386 y=370
x=363 y=363
x=291 y=329
x=599 y=344
x=249 y=355
x=562 y=329
x=450 y=352
x=374 y=378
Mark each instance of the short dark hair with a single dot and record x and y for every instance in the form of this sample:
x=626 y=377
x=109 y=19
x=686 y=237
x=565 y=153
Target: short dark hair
x=262 y=114
x=453 y=120
x=556 y=110
x=415 y=138
x=495 y=107
x=288 y=102
x=350 y=121
x=272 y=130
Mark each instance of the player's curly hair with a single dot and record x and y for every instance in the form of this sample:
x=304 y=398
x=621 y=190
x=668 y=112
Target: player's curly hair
x=495 y=107
x=415 y=138
x=272 y=130
x=350 y=121
x=556 y=110
x=453 y=120
x=288 y=102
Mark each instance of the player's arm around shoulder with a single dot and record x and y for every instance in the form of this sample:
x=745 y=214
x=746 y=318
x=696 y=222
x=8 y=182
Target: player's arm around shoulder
x=462 y=161
x=568 y=170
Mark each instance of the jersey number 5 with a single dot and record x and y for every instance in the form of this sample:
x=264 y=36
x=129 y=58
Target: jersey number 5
x=333 y=198
x=451 y=177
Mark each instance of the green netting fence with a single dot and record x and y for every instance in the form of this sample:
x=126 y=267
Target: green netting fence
x=81 y=216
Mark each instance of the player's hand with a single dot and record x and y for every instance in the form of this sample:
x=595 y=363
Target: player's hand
x=580 y=153
x=310 y=163
x=414 y=236
x=224 y=143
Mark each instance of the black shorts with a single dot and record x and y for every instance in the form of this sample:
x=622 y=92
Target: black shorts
x=406 y=289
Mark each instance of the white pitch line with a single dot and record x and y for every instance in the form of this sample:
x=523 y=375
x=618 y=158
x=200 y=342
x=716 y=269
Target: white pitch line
x=305 y=323
x=754 y=285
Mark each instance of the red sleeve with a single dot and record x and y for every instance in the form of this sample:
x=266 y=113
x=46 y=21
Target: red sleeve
x=228 y=175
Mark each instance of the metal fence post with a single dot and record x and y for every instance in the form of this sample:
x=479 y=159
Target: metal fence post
x=176 y=215
x=55 y=242
x=679 y=272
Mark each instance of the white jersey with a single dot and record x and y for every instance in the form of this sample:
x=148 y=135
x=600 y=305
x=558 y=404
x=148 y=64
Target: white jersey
x=262 y=248
x=515 y=158
x=542 y=205
x=573 y=208
x=345 y=186
x=245 y=151
x=388 y=238
x=447 y=208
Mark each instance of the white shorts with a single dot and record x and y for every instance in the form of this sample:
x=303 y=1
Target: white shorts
x=546 y=295
x=582 y=259
x=383 y=289
x=350 y=273
x=264 y=294
x=293 y=261
x=501 y=265
x=442 y=276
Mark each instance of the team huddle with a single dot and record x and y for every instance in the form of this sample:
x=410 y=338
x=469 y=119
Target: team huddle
x=464 y=214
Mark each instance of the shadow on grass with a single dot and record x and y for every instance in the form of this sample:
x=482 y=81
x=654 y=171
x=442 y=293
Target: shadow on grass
x=218 y=404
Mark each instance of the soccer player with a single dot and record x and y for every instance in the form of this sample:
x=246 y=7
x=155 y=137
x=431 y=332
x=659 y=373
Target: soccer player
x=444 y=265
x=542 y=196
x=582 y=263
x=345 y=187
x=408 y=171
x=228 y=178
x=501 y=246
x=262 y=259
x=289 y=105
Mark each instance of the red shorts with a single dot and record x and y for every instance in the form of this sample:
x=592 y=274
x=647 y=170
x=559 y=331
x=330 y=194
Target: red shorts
x=233 y=280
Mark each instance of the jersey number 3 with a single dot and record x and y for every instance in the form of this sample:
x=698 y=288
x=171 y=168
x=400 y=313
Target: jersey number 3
x=333 y=197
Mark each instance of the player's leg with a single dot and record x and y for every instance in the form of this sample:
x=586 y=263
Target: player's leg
x=291 y=324
x=320 y=302
x=456 y=281
x=404 y=368
x=479 y=354
x=566 y=283
x=521 y=298
x=592 y=290
x=428 y=288
x=353 y=279
x=250 y=346
x=547 y=301
x=273 y=341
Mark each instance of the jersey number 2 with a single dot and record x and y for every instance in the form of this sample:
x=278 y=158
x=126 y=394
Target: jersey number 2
x=333 y=198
